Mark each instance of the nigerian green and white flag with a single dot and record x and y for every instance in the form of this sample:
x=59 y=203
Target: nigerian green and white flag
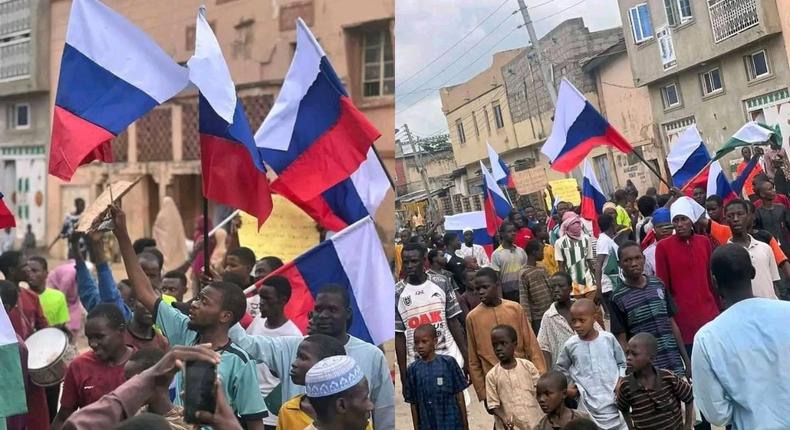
x=752 y=133
x=12 y=386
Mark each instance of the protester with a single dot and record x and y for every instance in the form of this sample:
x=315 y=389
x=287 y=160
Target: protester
x=28 y=316
x=650 y=396
x=437 y=264
x=552 y=393
x=773 y=217
x=100 y=370
x=106 y=291
x=510 y=384
x=646 y=206
x=683 y=265
x=338 y=391
x=454 y=264
x=140 y=332
x=509 y=260
x=714 y=205
x=574 y=254
x=240 y=261
x=662 y=228
x=7 y=243
x=469 y=299
x=471 y=249
x=641 y=304
x=217 y=307
x=174 y=283
x=621 y=200
x=549 y=261
x=562 y=208
x=523 y=233
x=434 y=386
x=535 y=294
x=748 y=187
x=266 y=265
x=746 y=387
x=64 y=279
x=605 y=259
x=555 y=327
x=593 y=362
x=404 y=235
x=766 y=271
x=493 y=310
x=698 y=194
x=70 y=224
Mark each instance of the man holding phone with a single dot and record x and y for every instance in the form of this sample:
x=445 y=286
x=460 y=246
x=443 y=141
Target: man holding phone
x=216 y=308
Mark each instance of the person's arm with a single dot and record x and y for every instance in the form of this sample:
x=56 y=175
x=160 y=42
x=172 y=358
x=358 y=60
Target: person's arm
x=415 y=416
x=474 y=365
x=400 y=354
x=451 y=310
x=532 y=349
x=558 y=257
x=141 y=285
x=599 y=260
x=459 y=398
x=68 y=399
x=482 y=259
x=248 y=402
x=86 y=286
x=40 y=319
x=621 y=339
x=492 y=402
x=121 y=403
x=523 y=294
x=619 y=357
x=681 y=347
x=662 y=267
x=709 y=395
x=382 y=394
x=108 y=291
x=458 y=335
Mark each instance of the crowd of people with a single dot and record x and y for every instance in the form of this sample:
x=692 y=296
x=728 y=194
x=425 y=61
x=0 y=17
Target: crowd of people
x=140 y=331
x=600 y=324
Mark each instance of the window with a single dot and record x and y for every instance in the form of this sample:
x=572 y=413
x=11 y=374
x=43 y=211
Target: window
x=757 y=65
x=488 y=122
x=498 y=115
x=641 y=27
x=670 y=96
x=459 y=127
x=730 y=17
x=15 y=39
x=378 y=72
x=474 y=121
x=711 y=82
x=678 y=12
x=19 y=116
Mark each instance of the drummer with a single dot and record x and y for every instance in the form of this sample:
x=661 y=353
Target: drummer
x=100 y=370
x=36 y=417
x=56 y=310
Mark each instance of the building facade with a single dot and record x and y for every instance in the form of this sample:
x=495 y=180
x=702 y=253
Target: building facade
x=713 y=63
x=24 y=111
x=258 y=40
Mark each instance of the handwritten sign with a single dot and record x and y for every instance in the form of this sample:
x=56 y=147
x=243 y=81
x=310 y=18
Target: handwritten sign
x=565 y=190
x=287 y=233
x=530 y=180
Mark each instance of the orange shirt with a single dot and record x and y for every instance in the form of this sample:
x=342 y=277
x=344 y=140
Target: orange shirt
x=748 y=188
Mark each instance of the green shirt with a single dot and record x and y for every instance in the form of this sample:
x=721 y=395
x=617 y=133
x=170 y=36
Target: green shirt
x=56 y=310
x=623 y=219
x=236 y=369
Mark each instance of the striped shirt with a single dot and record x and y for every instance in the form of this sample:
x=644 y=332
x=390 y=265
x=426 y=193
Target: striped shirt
x=657 y=408
x=535 y=293
x=575 y=254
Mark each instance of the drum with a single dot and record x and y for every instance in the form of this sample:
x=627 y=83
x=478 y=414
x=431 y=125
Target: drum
x=46 y=351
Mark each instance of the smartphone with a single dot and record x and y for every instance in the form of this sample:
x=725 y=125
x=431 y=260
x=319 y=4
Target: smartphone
x=199 y=389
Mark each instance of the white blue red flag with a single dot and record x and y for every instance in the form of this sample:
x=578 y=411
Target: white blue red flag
x=314 y=137
x=593 y=197
x=340 y=261
x=577 y=129
x=6 y=217
x=499 y=169
x=687 y=158
x=233 y=173
x=477 y=222
x=495 y=205
x=718 y=184
x=111 y=74
x=740 y=181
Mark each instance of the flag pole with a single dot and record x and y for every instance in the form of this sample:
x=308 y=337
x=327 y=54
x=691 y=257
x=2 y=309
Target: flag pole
x=386 y=172
x=205 y=235
x=652 y=168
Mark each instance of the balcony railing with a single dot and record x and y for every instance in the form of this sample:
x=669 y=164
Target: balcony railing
x=15 y=59
x=730 y=17
x=14 y=17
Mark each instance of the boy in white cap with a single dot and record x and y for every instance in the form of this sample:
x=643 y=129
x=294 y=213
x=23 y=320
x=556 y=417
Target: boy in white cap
x=338 y=391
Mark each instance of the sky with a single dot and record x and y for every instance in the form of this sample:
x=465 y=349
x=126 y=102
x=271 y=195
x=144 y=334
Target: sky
x=425 y=29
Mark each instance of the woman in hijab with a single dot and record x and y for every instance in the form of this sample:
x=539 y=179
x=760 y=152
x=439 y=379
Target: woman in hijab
x=169 y=235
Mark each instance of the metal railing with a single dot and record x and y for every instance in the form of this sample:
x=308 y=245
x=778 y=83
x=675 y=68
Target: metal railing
x=730 y=17
x=15 y=59
x=14 y=17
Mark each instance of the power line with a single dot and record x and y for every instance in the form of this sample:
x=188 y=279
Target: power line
x=462 y=69
x=454 y=45
x=558 y=12
x=417 y=88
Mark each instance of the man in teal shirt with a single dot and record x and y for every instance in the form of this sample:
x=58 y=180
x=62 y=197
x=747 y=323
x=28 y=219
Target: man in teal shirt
x=217 y=307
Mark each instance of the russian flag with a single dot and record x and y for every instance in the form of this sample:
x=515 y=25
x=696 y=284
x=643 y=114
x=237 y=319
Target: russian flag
x=688 y=157
x=233 y=173
x=740 y=181
x=350 y=200
x=313 y=137
x=593 y=197
x=499 y=169
x=577 y=129
x=718 y=183
x=111 y=74
x=474 y=220
x=495 y=205
x=6 y=217
x=338 y=260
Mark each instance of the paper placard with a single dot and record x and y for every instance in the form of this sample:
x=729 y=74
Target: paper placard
x=530 y=180
x=96 y=209
x=287 y=233
x=565 y=190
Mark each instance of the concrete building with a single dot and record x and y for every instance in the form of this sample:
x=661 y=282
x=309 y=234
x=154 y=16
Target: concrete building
x=713 y=63
x=437 y=156
x=24 y=111
x=258 y=40
x=627 y=108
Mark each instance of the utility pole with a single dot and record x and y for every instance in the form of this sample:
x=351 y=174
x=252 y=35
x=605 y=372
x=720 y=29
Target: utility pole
x=423 y=173
x=536 y=44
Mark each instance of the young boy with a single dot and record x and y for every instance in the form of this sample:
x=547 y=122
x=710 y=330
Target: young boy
x=594 y=362
x=650 y=397
x=552 y=390
x=435 y=386
x=510 y=385
x=535 y=293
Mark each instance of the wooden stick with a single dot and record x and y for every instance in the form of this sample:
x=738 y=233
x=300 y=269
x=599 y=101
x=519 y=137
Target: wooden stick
x=652 y=168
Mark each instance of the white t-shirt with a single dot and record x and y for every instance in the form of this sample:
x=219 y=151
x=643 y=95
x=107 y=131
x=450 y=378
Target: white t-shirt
x=267 y=381
x=766 y=272
x=606 y=246
x=432 y=302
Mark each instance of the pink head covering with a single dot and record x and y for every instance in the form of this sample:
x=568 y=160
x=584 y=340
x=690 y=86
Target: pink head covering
x=64 y=279
x=571 y=225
